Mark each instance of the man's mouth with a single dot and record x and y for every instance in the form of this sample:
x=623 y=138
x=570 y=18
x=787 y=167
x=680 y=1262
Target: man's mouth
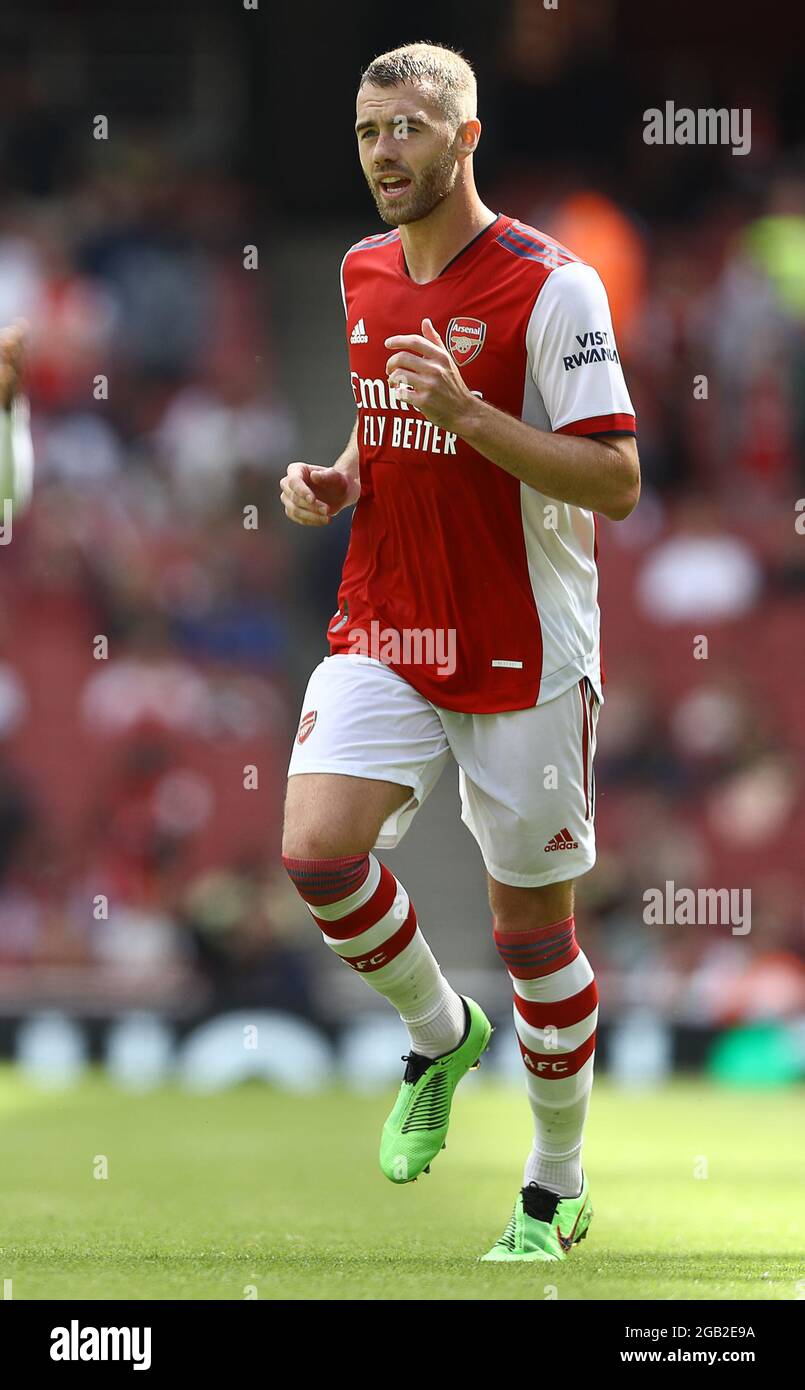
x=393 y=185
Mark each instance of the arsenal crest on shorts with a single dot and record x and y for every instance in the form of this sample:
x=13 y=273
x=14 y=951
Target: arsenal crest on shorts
x=465 y=338
x=306 y=725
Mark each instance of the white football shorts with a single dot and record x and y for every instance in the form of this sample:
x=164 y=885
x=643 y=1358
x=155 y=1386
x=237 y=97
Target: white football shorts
x=526 y=778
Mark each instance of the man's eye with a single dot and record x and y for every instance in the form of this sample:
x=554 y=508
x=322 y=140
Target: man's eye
x=408 y=130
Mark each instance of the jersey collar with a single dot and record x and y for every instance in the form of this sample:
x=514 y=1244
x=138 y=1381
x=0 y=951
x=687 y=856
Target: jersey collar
x=466 y=254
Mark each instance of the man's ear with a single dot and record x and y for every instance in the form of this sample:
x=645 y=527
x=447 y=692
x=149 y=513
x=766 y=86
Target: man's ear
x=469 y=135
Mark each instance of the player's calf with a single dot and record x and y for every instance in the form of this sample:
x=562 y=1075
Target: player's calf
x=366 y=917
x=555 y=1016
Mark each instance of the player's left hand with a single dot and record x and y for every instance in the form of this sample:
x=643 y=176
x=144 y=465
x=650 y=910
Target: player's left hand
x=425 y=375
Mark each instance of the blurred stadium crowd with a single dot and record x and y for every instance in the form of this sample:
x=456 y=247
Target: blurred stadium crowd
x=159 y=415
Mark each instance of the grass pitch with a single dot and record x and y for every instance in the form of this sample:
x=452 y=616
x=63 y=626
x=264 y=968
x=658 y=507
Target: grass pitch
x=252 y=1193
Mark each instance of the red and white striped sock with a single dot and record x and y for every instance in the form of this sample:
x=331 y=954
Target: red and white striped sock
x=366 y=917
x=555 y=1016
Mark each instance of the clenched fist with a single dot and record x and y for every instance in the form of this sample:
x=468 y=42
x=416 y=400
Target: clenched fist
x=312 y=496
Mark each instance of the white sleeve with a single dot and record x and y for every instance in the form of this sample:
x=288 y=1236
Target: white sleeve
x=343 y=290
x=572 y=355
x=16 y=456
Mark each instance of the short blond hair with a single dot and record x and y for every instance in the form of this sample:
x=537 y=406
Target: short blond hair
x=443 y=72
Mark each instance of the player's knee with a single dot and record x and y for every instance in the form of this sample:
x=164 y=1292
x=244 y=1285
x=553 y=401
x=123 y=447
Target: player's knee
x=306 y=834
x=313 y=828
x=326 y=879
x=317 y=841
x=517 y=910
x=315 y=833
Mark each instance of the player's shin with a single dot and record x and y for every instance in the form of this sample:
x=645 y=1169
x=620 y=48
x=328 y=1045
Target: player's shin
x=367 y=918
x=555 y=1016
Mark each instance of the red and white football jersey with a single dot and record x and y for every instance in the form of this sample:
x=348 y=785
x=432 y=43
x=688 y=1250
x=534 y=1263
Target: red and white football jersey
x=444 y=541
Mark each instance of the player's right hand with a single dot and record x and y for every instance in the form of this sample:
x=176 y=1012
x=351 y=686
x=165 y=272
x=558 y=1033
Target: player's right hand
x=312 y=496
x=12 y=349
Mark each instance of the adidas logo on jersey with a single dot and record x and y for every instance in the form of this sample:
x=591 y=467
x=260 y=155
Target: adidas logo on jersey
x=564 y=840
x=359 y=334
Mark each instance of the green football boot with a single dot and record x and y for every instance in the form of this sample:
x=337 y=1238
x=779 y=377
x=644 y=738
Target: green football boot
x=544 y=1226
x=416 y=1129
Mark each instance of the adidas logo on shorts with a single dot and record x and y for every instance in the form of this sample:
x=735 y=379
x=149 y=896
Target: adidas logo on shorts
x=564 y=840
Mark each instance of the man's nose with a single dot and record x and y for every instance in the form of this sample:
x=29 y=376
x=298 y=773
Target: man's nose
x=387 y=151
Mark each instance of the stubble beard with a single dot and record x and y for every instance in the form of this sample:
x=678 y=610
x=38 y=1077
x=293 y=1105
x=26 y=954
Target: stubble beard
x=425 y=193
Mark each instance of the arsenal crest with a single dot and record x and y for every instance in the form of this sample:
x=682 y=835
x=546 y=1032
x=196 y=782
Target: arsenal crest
x=465 y=338
x=306 y=725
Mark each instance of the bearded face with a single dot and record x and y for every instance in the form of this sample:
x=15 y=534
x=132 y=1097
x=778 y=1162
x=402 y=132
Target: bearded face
x=424 y=190
x=407 y=150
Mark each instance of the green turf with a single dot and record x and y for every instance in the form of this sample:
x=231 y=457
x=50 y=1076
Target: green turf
x=207 y=1197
